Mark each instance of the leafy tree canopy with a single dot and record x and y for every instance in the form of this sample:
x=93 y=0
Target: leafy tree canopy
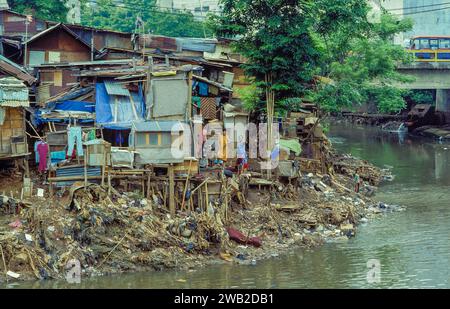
x=298 y=39
x=110 y=15
x=54 y=10
x=275 y=38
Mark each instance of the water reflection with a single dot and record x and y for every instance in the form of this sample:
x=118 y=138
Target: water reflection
x=412 y=246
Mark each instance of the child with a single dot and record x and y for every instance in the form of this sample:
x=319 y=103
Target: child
x=357 y=180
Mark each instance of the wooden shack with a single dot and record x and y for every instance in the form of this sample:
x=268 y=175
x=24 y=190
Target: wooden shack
x=54 y=46
x=13 y=24
x=153 y=141
x=57 y=44
x=13 y=140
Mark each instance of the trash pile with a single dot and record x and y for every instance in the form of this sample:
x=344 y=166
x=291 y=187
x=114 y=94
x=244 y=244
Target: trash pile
x=112 y=232
x=348 y=165
x=106 y=234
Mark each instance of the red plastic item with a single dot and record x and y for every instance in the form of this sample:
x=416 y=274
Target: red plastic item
x=240 y=238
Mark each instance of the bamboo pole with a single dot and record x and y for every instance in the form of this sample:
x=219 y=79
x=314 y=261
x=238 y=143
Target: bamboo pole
x=200 y=185
x=207 y=198
x=186 y=185
x=171 y=190
x=104 y=165
x=110 y=252
x=4 y=264
x=86 y=154
x=149 y=184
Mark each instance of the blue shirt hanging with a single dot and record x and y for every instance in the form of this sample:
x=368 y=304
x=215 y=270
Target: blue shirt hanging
x=203 y=89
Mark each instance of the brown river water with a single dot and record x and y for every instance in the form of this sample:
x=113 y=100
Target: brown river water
x=412 y=247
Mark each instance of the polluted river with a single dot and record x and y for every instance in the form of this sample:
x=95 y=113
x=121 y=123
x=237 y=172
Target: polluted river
x=412 y=247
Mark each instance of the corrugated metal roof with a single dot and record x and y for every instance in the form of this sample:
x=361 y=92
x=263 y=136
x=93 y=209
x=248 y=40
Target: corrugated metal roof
x=13 y=93
x=158 y=126
x=198 y=44
x=15 y=70
x=114 y=88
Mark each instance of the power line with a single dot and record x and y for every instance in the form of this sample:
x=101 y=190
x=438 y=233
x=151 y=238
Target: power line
x=418 y=7
x=157 y=9
x=422 y=12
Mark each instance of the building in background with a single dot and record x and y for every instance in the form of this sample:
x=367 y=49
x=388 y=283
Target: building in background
x=394 y=7
x=431 y=17
x=199 y=8
x=4 y=5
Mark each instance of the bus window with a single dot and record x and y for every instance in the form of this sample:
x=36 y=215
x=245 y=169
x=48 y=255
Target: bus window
x=434 y=43
x=444 y=43
x=424 y=43
x=414 y=44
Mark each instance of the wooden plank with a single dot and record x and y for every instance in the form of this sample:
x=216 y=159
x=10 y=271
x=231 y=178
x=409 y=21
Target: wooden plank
x=171 y=190
x=73 y=178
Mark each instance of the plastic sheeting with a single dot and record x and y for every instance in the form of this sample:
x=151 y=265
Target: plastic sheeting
x=170 y=97
x=79 y=106
x=198 y=44
x=116 y=112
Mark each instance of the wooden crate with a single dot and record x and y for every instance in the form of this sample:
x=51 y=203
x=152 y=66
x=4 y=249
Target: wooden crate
x=183 y=168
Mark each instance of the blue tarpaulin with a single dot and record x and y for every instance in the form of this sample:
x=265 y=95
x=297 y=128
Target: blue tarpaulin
x=64 y=106
x=109 y=105
x=79 y=106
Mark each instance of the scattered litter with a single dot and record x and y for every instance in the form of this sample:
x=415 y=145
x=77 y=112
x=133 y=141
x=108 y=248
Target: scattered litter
x=13 y=274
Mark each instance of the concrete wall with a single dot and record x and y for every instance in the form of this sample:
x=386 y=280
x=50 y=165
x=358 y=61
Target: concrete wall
x=443 y=100
x=199 y=8
x=426 y=79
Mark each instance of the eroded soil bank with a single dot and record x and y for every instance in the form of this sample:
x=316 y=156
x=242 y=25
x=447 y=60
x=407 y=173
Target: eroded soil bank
x=123 y=232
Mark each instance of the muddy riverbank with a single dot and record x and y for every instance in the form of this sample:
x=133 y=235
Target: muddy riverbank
x=122 y=233
x=412 y=246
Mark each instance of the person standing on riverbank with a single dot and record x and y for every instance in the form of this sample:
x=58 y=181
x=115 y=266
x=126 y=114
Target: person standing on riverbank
x=357 y=180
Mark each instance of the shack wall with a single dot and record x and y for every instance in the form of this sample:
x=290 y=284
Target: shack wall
x=58 y=79
x=13 y=24
x=157 y=155
x=13 y=126
x=57 y=47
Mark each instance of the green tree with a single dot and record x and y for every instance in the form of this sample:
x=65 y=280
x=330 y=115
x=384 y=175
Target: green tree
x=122 y=17
x=274 y=36
x=294 y=40
x=53 y=10
x=359 y=57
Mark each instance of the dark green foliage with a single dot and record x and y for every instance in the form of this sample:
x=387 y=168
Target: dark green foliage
x=54 y=10
x=338 y=39
x=419 y=97
x=275 y=38
x=109 y=15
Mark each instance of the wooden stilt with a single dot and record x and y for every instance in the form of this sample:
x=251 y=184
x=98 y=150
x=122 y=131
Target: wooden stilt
x=149 y=194
x=186 y=185
x=85 y=168
x=206 y=198
x=171 y=190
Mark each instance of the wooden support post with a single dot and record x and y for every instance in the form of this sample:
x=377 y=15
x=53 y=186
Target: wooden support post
x=189 y=107
x=109 y=183
x=200 y=199
x=206 y=197
x=104 y=165
x=85 y=168
x=186 y=185
x=171 y=190
x=27 y=167
x=149 y=175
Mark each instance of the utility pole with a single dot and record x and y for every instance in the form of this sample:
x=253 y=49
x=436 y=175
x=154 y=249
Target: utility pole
x=28 y=20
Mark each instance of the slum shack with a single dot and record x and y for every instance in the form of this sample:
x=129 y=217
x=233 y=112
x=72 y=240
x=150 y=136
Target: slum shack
x=153 y=142
x=13 y=141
